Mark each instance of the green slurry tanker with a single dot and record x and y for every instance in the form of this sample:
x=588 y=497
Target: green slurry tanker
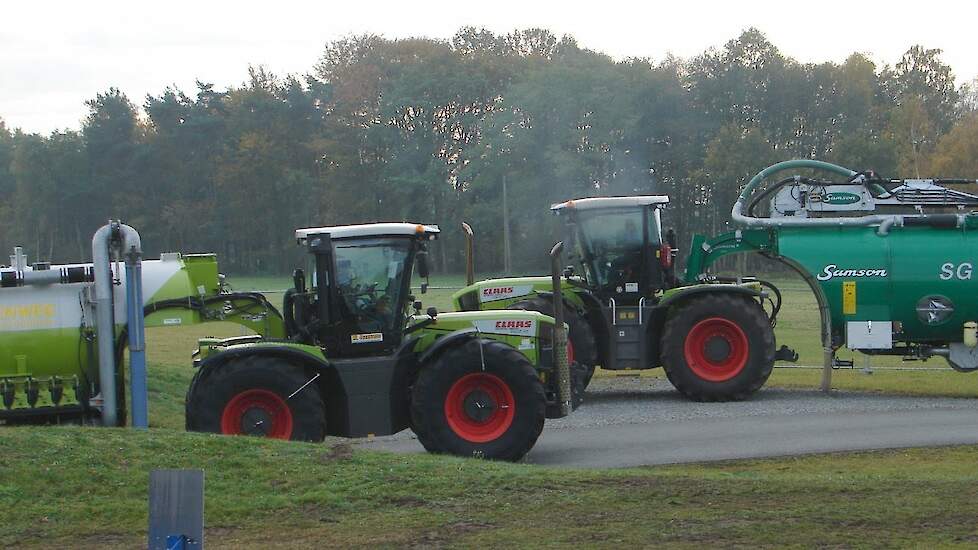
x=626 y=309
x=63 y=328
x=891 y=261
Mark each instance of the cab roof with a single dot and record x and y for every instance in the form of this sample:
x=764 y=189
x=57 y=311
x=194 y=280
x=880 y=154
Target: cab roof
x=610 y=202
x=370 y=230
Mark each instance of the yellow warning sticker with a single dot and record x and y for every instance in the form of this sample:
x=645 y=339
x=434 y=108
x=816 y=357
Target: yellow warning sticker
x=849 y=297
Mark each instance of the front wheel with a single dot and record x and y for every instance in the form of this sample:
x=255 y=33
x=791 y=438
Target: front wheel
x=718 y=347
x=486 y=403
x=256 y=396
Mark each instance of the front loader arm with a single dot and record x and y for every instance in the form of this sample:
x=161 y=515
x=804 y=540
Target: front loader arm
x=703 y=252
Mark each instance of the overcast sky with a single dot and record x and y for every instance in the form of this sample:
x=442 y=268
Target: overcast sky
x=55 y=55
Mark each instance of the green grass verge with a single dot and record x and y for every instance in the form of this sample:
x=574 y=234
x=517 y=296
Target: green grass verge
x=86 y=487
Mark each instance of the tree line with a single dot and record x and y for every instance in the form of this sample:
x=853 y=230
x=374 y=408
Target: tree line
x=429 y=130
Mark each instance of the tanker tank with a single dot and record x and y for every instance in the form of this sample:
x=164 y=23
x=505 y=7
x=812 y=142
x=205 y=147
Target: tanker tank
x=891 y=262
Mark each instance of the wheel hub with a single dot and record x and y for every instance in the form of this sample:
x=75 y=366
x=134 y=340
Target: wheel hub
x=256 y=421
x=716 y=349
x=479 y=406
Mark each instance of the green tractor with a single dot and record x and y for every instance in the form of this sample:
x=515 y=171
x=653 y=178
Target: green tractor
x=355 y=361
x=626 y=309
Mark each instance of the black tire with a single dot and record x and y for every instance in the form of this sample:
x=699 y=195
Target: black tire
x=239 y=383
x=718 y=327
x=580 y=334
x=440 y=386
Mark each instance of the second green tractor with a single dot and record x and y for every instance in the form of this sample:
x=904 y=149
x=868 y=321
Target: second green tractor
x=626 y=309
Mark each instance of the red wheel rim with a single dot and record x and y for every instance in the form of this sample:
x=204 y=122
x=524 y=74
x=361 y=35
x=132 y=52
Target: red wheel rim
x=257 y=412
x=716 y=349
x=479 y=407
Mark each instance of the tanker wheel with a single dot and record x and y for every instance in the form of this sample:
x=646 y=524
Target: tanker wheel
x=579 y=334
x=718 y=347
x=486 y=403
x=250 y=396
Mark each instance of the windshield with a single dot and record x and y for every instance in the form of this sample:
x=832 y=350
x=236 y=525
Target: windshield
x=369 y=278
x=610 y=244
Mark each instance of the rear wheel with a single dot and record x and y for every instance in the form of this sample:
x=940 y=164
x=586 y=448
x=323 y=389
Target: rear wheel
x=718 y=347
x=486 y=403
x=579 y=334
x=256 y=396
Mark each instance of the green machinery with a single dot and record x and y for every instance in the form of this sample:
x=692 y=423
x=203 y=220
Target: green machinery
x=626 y=309
x=891 y=261
x=63 y=328
x=354 y=360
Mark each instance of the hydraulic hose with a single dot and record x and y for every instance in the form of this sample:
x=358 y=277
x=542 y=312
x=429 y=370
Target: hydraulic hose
x=737 y=213
x=884 y=221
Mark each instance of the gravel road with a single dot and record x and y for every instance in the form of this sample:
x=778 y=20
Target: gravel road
x=632 y=421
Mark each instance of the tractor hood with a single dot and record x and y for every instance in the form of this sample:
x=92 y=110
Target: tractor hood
x=482 y=294
x=507 y=322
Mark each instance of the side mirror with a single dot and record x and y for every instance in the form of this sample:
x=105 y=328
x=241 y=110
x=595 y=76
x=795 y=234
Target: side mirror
x=423 y=264
x=299 y=280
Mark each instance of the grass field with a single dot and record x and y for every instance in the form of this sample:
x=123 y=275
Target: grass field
x=81 y=488
x=86 y=487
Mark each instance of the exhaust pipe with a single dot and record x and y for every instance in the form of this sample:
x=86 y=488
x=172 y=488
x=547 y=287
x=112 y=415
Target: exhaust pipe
x=124 y=241
x=469 y=254
x=560 y=335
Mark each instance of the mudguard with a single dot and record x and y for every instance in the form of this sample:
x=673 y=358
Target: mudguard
x=446 y=341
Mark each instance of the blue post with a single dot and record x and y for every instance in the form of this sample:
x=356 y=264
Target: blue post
x=137 y=342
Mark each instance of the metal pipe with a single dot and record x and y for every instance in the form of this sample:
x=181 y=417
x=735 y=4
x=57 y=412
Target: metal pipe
x=105 y=321
x=42 y=277
x=469 y=254
x=560 y=334
x=18 y=261
x=113 y=236
x=137 y=339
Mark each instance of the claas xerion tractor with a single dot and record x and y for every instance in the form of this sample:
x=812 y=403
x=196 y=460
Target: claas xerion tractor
x=356 y=361
x=626 y=309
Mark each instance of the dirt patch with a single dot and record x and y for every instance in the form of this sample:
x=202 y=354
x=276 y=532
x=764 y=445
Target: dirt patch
x=320 y=513
x=449 y=534
x=406 y=502
x=337 y=453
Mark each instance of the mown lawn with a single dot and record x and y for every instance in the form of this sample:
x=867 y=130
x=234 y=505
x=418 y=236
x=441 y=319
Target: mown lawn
x=87 y=487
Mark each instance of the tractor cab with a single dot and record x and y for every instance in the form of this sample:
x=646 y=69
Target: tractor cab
x=617 y=242
x=361 y=286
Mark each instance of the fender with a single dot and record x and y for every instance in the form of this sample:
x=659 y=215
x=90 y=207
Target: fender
x=282 y=352
x=705 y=288
x=291 y=355
x=441 y=344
